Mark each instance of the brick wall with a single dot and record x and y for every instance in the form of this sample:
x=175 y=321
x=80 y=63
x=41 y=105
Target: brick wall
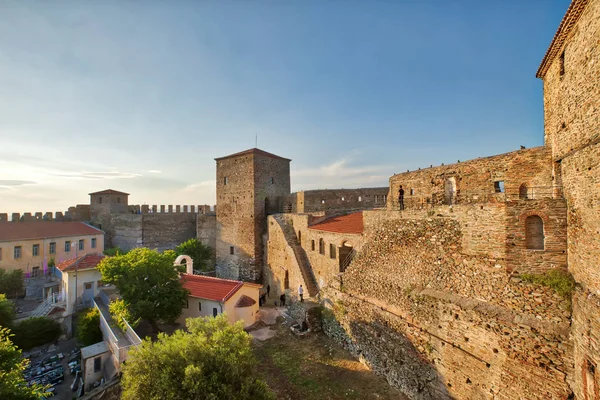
x=572 y=131
x=155 y=231
x=473 y=181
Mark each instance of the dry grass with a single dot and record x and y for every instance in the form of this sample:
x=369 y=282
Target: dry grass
x=316 y=368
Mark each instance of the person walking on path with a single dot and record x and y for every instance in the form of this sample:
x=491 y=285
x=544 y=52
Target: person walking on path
x=301 y=293
x=401 y=197
x=282 y=300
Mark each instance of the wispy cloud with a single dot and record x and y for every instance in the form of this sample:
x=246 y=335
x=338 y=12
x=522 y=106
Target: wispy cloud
x=155 y=171
x=340 y=168
x=204 y=185
x=341 y=174
x=7 y=184
x=99 y=175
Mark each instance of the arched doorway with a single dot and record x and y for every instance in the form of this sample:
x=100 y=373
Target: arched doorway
x=534 y=232
x=523 y=191
x=300 y=237
x=450 y=190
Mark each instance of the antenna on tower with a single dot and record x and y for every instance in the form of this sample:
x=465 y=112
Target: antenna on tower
x=255 y=140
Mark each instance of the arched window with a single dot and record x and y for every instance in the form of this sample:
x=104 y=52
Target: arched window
x=312 y=245
x=99 y=200
x=321 y=246
x=534 y=232
x=523 y=192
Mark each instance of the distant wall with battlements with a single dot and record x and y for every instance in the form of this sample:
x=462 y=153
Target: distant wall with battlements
x=334 y=200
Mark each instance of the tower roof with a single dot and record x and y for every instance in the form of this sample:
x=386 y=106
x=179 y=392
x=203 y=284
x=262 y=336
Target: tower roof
x=566 y=25
x=109 y=191
x=254 y=151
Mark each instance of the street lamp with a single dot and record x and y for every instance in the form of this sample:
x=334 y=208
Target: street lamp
x=75 y=244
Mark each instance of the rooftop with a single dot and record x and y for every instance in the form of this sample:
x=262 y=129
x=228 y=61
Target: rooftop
x=88 y=261
x=351 y=223
x=109 y=191
x=254 y=151
x=566 y=25
x=11 y=231
x=206 y=287
x=94 y=350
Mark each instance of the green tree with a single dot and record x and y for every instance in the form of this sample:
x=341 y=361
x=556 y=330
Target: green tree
x=148 y=283
x=119 y=311
x=213 y=360
x=200 y=253
x=11 y=283
x=35 y=331
x=7 y=311
x=12 y=384
x=88 y=327
x=114 y=251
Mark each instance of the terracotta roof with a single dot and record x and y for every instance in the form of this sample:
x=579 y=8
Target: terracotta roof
x=253 y=151
x=88 y=261
x=245 y=301
x=351 y=223
x=12 y=231
x=206 y=287
x=566 y=25
x=110 y=191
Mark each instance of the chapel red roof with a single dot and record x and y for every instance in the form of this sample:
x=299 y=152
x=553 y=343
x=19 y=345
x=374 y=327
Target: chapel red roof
x=12 y=231
x=207 y=287
x=253 y=151
x=351 y=223
x=88 y=261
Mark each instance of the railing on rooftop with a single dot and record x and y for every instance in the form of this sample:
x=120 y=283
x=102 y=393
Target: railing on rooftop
x=479 y=196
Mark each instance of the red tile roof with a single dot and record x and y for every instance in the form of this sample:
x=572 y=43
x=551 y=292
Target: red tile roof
x=12 y=231
x=245 y=301
x=109 y=191
x=351 y=223
x=253 y=151
x=566 y=25
x=88 y=261
x=206 y=287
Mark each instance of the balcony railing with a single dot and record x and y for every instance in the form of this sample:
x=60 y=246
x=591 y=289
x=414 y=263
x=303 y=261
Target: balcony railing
x=479 y=196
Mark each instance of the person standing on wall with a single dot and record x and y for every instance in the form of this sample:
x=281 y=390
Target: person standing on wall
x=301 y=293
x=401 y=197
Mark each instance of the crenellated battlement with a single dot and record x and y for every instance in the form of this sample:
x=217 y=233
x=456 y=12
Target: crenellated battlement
x=172 y=209
x=78 y=213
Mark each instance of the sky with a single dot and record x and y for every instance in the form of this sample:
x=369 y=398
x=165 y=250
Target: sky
x=142 y=96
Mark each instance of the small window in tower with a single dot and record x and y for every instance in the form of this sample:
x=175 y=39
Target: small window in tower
x=271 y=180
x=230 y=249
x=359 y=198
x=118 y=200
x=322 y=201
x=412 y=192
x=225 y=181
x=99 y=200
x=342 y=198
x=499 y=186
x=562 y=63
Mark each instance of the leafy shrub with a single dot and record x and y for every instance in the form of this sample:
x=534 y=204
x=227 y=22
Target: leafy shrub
x=7 y=311
x=114 y=251
x=35 y=332
x=119 y=311
x=559 y=280
x=11 y=283
x=88 y=327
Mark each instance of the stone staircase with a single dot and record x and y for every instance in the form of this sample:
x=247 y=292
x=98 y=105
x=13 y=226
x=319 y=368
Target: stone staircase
x=43 y=309
x=301 y=258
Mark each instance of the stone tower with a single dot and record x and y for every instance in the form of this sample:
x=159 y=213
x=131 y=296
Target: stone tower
x=102 y=205
x=249 y=184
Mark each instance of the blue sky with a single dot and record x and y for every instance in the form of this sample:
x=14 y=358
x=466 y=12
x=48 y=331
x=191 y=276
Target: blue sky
x=142 y=96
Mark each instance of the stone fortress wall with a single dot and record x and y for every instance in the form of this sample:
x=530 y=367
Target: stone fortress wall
x=312 y=201
x=570 y=72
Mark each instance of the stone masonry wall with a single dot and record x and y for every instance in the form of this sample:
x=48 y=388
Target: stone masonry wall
x=572 y=131
x=310 y=201
x=206 y=232
x=155 y=231
x=473 y=181
x=440 y=323
x=235 y=216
